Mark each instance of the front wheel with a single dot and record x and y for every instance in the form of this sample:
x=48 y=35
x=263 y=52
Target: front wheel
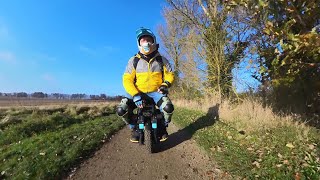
x=150 y=146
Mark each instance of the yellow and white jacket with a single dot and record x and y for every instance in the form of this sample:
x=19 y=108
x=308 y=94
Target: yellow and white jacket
x=147 y=77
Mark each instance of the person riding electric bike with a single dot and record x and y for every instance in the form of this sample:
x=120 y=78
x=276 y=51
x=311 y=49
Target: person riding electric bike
x=147 y=73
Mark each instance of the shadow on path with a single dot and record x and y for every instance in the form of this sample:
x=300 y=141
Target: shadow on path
x=186 y=133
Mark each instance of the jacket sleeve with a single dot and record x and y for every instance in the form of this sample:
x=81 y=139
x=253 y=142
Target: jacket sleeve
x=128 y=79
x=168 y=74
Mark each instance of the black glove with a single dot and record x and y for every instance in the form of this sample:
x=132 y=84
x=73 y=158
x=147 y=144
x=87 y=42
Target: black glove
x=163 y=89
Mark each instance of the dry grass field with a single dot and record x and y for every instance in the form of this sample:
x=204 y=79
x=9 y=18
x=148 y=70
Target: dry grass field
x=29 y=102
x=250 y=141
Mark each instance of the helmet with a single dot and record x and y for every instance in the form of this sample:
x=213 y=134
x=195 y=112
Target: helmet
x=146 y=48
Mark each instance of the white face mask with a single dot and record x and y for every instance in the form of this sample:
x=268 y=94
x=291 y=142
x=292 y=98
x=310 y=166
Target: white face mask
x=146 y=46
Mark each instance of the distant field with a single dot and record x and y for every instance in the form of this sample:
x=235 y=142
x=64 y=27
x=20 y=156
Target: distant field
x=20 y=102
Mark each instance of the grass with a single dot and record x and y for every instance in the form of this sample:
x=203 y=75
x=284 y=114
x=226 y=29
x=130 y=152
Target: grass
x=45 y=143
x=251 y=142
x=246 y=140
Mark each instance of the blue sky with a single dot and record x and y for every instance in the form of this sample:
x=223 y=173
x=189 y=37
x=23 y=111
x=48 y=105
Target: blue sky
x=70 y=46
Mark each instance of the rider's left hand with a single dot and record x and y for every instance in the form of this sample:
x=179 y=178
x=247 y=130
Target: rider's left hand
x=163 y=89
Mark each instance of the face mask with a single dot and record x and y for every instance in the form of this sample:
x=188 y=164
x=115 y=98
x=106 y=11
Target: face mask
x=146 y=46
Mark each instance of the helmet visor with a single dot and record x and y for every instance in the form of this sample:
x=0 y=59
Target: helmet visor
x=144 y=32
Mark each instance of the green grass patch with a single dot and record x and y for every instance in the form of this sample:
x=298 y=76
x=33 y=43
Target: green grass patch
x=285 y=152
x=46 y=144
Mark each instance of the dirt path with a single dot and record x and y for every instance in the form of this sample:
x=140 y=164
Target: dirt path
x=179 y=158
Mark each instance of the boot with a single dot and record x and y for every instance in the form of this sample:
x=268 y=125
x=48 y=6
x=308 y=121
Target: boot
x=164 y=135
x=134 y=136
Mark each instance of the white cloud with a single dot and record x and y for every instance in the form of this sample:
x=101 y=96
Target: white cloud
x=109 y=48
x=4 y=31
x=48 y=77
x=98 y=51
x=8 y=57
x=37 y=59
x=87 y=50
x=45 y=57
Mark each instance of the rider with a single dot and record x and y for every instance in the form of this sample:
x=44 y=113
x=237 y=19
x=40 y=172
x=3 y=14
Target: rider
x=144 y=75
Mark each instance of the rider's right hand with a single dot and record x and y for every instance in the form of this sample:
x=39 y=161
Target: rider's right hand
x=138 y=101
